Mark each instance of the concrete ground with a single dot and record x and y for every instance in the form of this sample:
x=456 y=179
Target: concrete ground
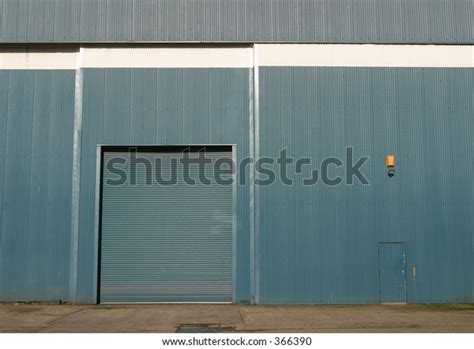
x=235 y=318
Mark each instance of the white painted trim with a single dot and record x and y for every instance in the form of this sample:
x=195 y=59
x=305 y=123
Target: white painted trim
x=310 y=55
x=437 y=56
x=168 y=57
x=36 y=60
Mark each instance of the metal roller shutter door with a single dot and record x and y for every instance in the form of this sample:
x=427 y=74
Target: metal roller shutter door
x=169 y=243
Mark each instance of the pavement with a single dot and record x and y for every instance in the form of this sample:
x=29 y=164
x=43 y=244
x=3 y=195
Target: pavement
x=168 y=318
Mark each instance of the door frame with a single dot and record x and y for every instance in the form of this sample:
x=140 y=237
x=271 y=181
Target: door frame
x=405 y=262
x=100 y=149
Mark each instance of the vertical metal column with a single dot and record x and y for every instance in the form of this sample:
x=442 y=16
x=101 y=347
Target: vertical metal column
x=76 y=174
x=254 y=151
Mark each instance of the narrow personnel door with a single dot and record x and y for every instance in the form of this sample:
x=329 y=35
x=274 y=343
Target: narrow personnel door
x=392 y=272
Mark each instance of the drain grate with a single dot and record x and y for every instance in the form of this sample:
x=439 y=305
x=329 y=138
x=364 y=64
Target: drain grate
x=204 y=328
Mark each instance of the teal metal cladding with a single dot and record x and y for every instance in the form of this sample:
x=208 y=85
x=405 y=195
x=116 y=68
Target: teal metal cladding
x=162 y=106
x=166 y=243
x=36 y=123
x=306 y=21
x=315 y=244
x=319 y=244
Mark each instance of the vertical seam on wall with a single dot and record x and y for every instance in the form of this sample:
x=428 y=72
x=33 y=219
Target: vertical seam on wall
x=234 y=226
x=2 y=6
x=251 y=181
x=131 y=22
x=27 y=34
x=98 y=184
x=54 y=19
x=256 y=157
x=5 y=145
x=76 y=173
x=28 y=210
x=48 y=184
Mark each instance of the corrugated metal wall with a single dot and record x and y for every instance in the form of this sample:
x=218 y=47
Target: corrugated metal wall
x=314 y=244
x=323 y=21
x=162 y=106
x=36 y=123
x=319 y=244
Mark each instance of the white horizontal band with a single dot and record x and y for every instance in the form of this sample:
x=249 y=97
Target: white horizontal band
x=311 y=55
x=366 y=55
x=29 y=60
x=168 y=57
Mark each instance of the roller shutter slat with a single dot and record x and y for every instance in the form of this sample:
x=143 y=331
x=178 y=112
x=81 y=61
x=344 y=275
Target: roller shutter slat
x=166 y=243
